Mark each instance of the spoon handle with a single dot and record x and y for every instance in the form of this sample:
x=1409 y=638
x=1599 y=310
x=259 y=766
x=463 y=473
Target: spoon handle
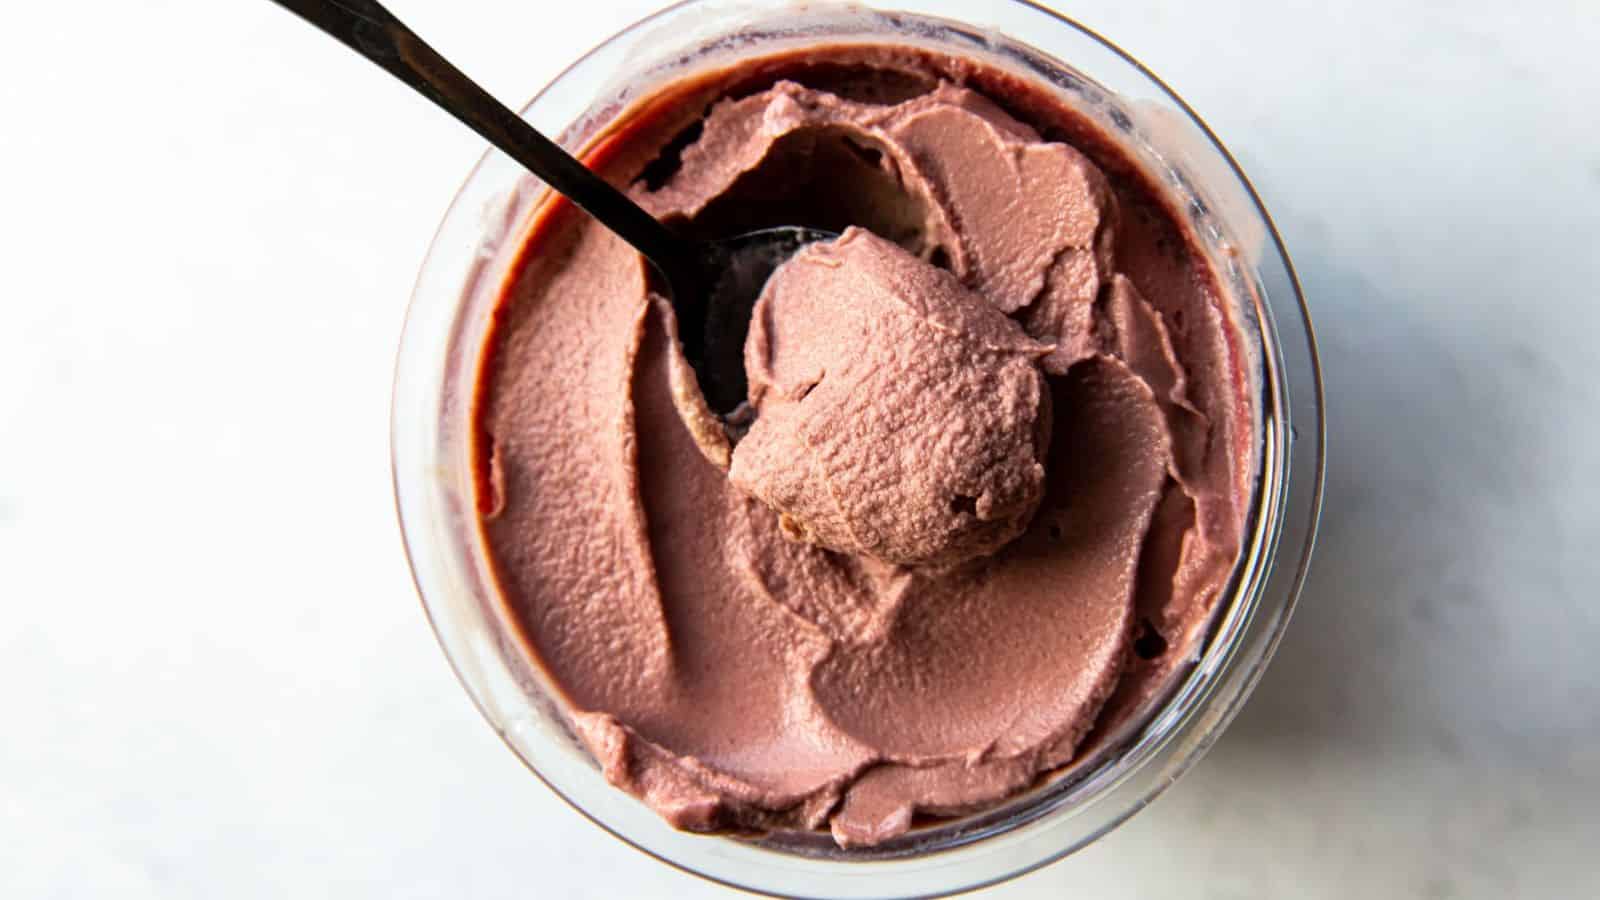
x=374 y=32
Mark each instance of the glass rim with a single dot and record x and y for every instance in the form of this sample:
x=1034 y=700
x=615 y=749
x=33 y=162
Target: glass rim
x=1179 y=715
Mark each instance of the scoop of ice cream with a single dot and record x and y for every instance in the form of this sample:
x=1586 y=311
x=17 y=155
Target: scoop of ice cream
x=899 y=415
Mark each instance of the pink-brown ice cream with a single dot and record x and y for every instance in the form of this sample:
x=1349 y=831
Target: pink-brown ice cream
x=1005 y=415
x=899 y=415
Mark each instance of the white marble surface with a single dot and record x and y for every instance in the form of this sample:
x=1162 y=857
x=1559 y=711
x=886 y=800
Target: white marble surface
x=215 y=678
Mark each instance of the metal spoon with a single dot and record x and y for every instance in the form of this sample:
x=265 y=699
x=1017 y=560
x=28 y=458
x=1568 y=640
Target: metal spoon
x=713 y=284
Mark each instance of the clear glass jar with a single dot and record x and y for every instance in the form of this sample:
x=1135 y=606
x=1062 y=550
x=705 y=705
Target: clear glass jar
x=433 y=478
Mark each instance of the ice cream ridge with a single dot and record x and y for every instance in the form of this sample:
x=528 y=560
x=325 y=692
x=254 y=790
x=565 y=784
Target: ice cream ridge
x=992 y=487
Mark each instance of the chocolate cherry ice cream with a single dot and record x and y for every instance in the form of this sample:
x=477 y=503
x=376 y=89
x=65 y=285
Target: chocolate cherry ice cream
x=991 y=475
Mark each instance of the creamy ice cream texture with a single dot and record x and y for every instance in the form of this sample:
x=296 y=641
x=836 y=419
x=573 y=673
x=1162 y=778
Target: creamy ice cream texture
x=993 y=486
x=898 y=415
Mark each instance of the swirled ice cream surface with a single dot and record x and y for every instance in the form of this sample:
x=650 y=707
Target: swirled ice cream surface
x=993 y=488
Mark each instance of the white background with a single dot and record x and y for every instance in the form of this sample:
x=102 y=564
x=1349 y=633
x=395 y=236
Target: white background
x=215 y=678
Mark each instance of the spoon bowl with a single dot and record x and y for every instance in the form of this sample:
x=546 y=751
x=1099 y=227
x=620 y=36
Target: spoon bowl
x=713 y=329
